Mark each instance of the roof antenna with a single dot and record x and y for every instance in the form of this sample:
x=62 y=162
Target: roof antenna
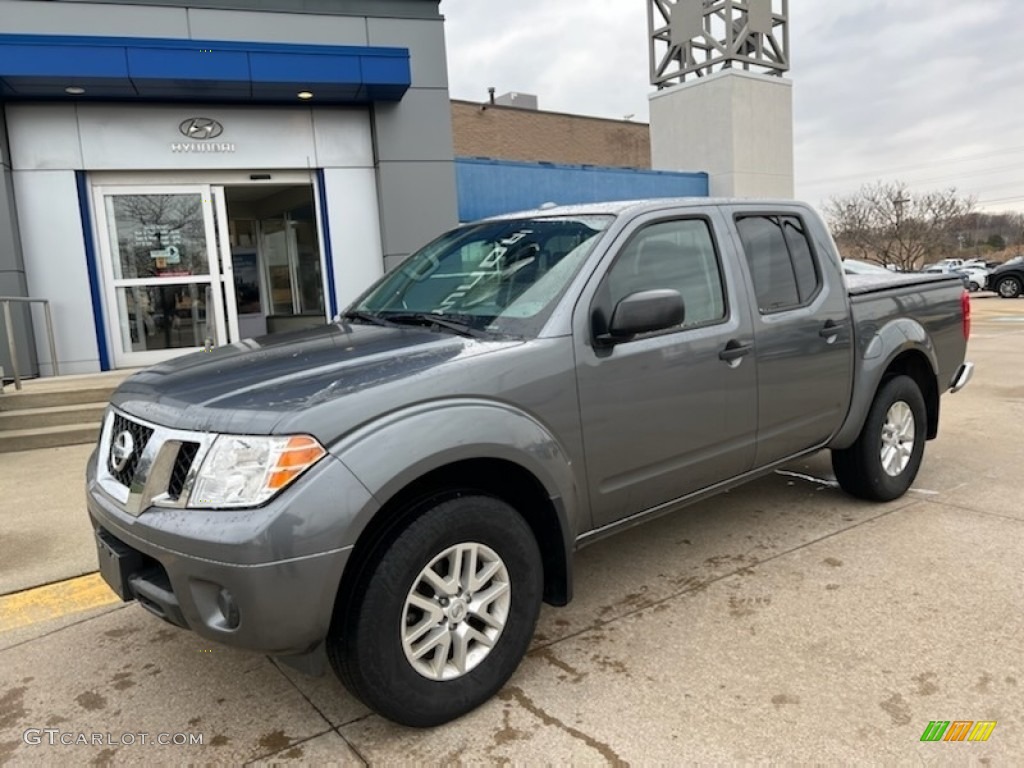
x=490 y=92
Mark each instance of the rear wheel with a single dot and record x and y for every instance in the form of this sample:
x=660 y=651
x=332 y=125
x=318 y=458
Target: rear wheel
x=1009 y=287
x=444 y=615
x=884 y=461
x=974 y=287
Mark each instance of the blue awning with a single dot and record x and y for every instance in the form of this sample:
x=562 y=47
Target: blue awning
x=34 y=67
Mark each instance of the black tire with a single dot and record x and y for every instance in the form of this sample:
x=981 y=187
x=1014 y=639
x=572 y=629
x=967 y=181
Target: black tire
x=365 y=644
x=1009 y=287
x=973 y=287
x=859 y=468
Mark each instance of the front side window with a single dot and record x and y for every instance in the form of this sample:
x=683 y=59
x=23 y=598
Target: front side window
x=781 y=261
x=676 y=254
x=501 y=277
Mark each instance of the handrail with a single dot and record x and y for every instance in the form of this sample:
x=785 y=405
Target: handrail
x=9 y=324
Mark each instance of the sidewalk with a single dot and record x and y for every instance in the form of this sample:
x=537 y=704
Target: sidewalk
x=45 y=535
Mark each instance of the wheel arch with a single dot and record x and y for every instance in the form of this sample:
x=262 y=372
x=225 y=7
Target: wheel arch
x=499 y=478
x=914 y=364
x=427 y=453
x=910 y=353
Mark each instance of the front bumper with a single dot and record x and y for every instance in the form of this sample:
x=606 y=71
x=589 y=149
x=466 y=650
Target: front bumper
x=263 y=579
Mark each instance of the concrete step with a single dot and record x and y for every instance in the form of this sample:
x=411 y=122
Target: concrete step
x=48 y=437
x=53 y=391
x=26 y=399
x=52 y=416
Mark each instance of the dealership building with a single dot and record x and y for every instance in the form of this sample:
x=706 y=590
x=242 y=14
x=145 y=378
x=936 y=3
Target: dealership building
x=180 y=173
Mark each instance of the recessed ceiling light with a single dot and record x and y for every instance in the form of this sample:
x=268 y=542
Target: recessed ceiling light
x=305 y=94
x=74 y=90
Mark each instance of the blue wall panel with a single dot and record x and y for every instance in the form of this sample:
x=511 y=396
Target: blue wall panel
x=490 y=187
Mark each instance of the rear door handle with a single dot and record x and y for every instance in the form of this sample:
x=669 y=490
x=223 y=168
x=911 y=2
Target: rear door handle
x=831 y=329
x=735 y=350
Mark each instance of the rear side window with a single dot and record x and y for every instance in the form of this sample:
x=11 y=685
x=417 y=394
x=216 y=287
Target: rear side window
x=782 y=264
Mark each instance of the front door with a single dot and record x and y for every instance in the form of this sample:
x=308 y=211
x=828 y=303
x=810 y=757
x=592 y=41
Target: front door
x=162 y=271
x=668 y=413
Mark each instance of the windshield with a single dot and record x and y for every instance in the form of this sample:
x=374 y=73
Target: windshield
x=501 y=277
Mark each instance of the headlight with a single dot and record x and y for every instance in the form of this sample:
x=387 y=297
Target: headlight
x=244 y=471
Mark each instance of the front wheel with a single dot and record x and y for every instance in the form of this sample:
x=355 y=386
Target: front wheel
x=1009 y=288
x=444 y=615
x=974 y=287
x=883 y=462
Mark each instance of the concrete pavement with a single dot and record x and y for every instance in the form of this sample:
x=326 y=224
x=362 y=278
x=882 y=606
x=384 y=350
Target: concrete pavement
x=781 y=622
x=45 y=535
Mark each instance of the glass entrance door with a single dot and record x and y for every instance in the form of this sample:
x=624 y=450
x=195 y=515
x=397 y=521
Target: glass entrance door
x=271 y=254
x=162 y=271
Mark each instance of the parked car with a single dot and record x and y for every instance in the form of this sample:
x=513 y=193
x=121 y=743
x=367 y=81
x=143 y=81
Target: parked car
x=397 y=492
x=1008 y=279
x=958 y=263
x=945 y=269
x=977 y=277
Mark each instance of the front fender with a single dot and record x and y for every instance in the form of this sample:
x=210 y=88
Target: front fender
x=390 y=453
x=876 y=353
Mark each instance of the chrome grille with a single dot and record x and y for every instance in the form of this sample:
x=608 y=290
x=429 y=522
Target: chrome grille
x=159 y=468
x=179 y=473
x=140 y=438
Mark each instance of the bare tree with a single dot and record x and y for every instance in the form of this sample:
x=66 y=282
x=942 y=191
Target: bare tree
x=885 y=223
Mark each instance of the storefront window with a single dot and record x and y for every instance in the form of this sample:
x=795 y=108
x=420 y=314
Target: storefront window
x=166 y=316
x=157 y=235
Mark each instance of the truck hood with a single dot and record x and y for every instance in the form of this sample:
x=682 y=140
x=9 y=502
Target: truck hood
x=250 y=386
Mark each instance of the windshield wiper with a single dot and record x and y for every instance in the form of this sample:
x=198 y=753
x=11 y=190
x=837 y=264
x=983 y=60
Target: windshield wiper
x=366 y=317
x=441 y=321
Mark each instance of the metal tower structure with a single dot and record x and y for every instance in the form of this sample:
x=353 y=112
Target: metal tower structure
x=695 y=38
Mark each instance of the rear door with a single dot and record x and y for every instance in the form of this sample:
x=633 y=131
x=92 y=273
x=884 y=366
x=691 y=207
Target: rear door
x=802 y=329
x=670 y=412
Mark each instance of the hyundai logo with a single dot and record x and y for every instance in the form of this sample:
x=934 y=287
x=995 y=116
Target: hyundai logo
x=201 y=128
x=121 y=451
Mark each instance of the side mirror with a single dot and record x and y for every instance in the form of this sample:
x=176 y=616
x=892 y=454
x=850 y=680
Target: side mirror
x=644 y=312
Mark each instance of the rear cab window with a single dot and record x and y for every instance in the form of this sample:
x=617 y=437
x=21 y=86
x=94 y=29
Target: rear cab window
x=783 y=267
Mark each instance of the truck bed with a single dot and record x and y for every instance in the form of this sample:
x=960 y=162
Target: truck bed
x=859 y=285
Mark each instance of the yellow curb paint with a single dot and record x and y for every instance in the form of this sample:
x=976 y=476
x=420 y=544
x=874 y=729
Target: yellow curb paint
x=53 y=601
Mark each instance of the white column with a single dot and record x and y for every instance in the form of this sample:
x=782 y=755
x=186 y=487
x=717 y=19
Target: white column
x=734 y=125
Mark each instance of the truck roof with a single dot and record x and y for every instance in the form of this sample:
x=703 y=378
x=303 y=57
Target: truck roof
x=618 y=207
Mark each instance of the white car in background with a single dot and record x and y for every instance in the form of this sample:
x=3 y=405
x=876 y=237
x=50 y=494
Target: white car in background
x=978 y=276
x=974 y=277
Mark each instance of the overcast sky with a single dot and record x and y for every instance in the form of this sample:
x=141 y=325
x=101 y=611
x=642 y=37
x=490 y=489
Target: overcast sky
x=926 y=91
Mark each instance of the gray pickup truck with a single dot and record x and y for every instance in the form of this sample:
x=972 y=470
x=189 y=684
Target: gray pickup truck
x=396 y=492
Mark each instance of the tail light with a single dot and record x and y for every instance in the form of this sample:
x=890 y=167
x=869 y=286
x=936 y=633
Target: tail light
x=965 y=310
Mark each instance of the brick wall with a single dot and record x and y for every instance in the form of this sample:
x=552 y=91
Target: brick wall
x=508 y=133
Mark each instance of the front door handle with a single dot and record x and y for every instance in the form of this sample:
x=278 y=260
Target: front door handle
x=735 y=350
x=831 y=329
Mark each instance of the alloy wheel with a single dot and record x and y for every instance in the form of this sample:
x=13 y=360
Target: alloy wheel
x=897 y=438
x=456 y=611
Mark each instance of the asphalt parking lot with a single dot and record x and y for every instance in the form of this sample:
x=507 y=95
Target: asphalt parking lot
x=781 y=622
